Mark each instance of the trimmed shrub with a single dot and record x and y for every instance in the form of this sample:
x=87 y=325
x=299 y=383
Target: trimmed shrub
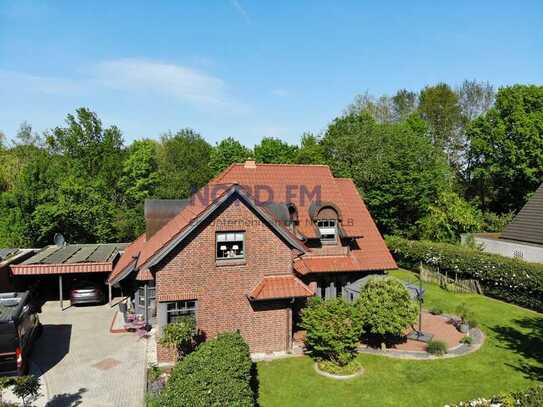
x=468 y=340
x=217 y=373
x=181 y=335
x=386 y=307
x=532 y=397
x=510 y=280
x=333 y=329
x=438 y=348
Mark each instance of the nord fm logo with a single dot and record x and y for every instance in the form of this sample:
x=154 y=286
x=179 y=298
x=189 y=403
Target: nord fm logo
x=261 y=194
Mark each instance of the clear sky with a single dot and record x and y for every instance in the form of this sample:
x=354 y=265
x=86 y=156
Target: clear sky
x=247 y=68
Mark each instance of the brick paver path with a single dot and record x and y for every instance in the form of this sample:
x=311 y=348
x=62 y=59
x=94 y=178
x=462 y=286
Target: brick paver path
x=84 y=364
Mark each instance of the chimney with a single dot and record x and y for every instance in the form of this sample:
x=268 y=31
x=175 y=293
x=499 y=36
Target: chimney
x=158 y=212
x=250 y=164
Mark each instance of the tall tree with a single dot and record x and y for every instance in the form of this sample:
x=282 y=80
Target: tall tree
x=440 y=107
x=399 y=172
x=505 y=158
x=183 y=164
x=381 y=109
x=311 y=150
x=227 y=152
x=475 y=98
x=140 y=180
x=275 y=151
x=404 y=103
x=91 y=149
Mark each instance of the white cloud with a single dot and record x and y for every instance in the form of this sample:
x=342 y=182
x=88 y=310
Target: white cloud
x=279 y=92
x=140 y=76
x=175 y=80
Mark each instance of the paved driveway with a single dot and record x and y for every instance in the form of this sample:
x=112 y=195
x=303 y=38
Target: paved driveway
x=84 y=364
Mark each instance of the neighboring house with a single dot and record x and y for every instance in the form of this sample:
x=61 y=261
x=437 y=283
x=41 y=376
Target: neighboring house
x=523 y=237
x=246 y=251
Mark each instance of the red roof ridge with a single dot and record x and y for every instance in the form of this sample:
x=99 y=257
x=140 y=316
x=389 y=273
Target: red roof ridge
x=282 y=165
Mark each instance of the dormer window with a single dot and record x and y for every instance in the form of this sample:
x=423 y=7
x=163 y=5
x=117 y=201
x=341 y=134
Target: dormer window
x=327 y=229
x=230 y=245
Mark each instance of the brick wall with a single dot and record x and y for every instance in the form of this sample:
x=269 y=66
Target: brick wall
x=221 y=288
x=166 y=354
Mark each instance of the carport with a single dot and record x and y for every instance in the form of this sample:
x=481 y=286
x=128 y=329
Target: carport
x=71 y=259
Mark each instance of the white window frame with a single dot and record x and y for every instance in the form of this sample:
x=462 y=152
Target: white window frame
x=328 y=229
x=230 y=245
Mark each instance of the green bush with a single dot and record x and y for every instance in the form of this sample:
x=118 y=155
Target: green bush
x=386 y=307
x=464 y=313
x=333 y=329
x=438 y=348
x=217 y=373
x=510 y=280
x=528 y=398
x=181 y=335
x=468 y=340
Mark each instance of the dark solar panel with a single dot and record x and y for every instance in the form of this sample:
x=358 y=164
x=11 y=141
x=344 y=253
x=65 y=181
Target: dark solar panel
x=42 y=255
x=62 y=254
x=5 y=253
x=82 y=255
x=102 y=253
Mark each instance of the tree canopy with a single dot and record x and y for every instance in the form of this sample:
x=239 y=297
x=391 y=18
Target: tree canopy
x=429 y=164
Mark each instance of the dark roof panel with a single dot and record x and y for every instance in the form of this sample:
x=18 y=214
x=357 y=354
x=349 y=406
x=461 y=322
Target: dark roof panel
x=5 y=253
x=77 y=253
x=527 y=225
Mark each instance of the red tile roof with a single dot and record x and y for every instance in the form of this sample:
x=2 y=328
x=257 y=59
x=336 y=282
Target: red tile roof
x=281 y=286
x=128 y=257
x=40 y=269
x=324 y=264
x=356 y=219
x=293 y=183
x=287 y=183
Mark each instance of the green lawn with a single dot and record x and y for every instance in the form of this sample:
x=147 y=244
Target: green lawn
x=510 y=359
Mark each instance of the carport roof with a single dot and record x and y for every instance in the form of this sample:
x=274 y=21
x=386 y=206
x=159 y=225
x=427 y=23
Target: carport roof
x=73 y=258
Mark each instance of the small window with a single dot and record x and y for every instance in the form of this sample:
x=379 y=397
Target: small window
x=327 y=229
x=180 y=309
x=230 y=245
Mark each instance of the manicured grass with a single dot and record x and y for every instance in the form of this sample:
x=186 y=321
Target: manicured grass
x=511 y=359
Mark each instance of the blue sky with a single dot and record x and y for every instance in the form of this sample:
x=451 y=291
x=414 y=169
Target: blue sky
x=244 y=68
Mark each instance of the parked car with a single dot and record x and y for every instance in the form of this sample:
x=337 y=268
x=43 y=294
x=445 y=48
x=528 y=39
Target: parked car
x=86 y=292
x=19 y=328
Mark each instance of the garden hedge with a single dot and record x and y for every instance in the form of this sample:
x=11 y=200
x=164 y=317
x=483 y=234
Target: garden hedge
x=507 y=279
x=217 y=373
x=529 y=398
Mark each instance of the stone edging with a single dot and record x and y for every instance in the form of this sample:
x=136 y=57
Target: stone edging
x=337 y=377
x=460 y=350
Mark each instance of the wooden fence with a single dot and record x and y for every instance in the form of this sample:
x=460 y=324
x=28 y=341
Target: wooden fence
x=450 y=283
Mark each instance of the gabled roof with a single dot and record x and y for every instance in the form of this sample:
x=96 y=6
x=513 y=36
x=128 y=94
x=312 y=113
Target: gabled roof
x=150 y=252
x=296 y=184
x=279 y=287
x=527 y=225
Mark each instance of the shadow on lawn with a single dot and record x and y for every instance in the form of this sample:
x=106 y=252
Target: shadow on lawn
x=255 y=384
x=527 y=343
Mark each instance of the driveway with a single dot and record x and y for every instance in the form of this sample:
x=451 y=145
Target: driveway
x=84 y=364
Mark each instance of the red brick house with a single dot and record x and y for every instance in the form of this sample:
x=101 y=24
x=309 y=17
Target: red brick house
x=246 y=251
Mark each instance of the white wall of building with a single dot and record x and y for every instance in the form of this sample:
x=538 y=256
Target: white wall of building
x=507 y=248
